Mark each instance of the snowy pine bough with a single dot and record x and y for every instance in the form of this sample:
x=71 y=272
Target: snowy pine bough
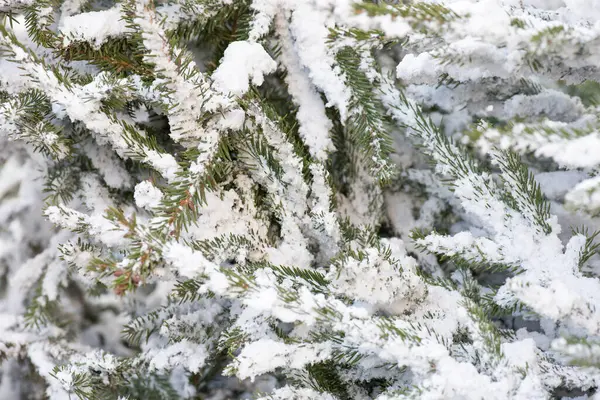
x=299 y=199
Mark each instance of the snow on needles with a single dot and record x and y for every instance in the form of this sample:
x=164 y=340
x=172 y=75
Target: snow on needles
x=299 y=199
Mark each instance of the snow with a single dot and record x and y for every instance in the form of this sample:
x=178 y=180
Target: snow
x=556 y=184
x=412 y=68
x=377 y=280
x=314 y=124
x=585 y=10
x=147 y=195
x=165 y=163
x=585 y=195
x=54 y=278
x=520 y=354
x=556 y=105
x=289 y=392
x=243 y=62
x=188 y=263
x=9 y=4
x=181 y=353
x=265 y=10
x=309 y=29
x=95 y=27
x=265 y=355
x=109 y=165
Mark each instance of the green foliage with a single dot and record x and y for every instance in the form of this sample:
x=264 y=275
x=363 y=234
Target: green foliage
x=463 y=262
x=126 y=381
x=141 y=328
x=588 y=91
x=590 y=247
x=310 y=276
x=222 y=25
x=38 y=21
x=525 y=193
x=42 y=312
x=367 y=125
x=118 y=56
x=225 y=244
x=325 y=379
x=187 y=291
x=455 y=161
x=33 y=120
x=585 y=354
x=423 y=17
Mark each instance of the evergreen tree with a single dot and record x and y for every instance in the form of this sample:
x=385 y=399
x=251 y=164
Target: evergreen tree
x=299 y=199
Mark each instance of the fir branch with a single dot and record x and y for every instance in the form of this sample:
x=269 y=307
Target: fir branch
x=590 y=247
x=524 y=190
x=423 y=17
x=366 y=125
